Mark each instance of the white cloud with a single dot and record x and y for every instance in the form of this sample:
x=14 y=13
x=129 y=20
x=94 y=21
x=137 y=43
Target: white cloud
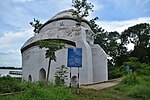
x=10 y=45
x=11 y=39
x=9 y=52
x=122 y=25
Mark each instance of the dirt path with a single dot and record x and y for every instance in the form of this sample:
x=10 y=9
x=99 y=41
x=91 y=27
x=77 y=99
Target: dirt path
x=99 y=86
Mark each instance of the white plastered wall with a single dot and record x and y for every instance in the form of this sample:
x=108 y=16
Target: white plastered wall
x=100 y=71
x=94 y=60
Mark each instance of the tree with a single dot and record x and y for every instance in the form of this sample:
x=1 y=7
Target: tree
x=100 y=35
x=51 y=47
x=36 y=25
x=139 y=35
x=109 y=42
x=122 y=56
x=81 y=9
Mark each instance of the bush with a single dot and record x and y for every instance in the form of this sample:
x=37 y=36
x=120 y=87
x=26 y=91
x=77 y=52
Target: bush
x=60 y=75
x=141 y=90
x=114 y=73
x=9 y=84
x=144 y=70
x=130 y=78
x=136 y=66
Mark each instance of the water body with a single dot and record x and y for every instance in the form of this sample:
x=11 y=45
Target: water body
x=5 y=72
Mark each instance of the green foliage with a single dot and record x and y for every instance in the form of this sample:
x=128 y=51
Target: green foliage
x=82 y=8
x=139 y=36
x=137 y=91
x=9 y=84
x=109 y=42
x=36 y=25
x=60 y=75
x=130 y=78
x=136 y=66
x=114 y=72
x=36 y=91
x=141 y=90
x=140 y=85
x=100 y=35
x=50 y=93
x=52 y=46
x=144 y=70
x=98 y=32
x=133 y=63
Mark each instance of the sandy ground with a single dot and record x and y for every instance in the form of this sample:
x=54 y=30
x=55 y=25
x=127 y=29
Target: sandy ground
x=102 y=85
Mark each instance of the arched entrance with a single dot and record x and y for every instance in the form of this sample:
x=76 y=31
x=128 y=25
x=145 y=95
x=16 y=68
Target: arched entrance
x=42 y=74
x=29 y=78
x=74 y=81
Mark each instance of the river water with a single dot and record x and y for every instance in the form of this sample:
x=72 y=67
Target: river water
x=4 y=72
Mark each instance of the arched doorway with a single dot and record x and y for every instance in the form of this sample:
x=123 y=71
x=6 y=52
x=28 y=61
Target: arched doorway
x=42 y=74
x=74 y=81
x=29 y=78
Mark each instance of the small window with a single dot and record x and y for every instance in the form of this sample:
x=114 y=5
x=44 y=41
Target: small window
x=42 y=74
x=29 y=78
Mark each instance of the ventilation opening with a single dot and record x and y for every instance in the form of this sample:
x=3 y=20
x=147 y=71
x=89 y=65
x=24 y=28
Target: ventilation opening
x=42 y=74
x=29 y=78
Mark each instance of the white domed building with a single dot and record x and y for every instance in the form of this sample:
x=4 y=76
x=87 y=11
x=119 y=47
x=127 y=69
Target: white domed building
x=63 y=27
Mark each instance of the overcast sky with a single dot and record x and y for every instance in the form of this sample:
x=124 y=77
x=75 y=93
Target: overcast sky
x=15 y=15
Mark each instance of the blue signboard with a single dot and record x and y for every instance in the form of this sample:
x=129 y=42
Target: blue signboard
x=74 y=57
x=127 y=68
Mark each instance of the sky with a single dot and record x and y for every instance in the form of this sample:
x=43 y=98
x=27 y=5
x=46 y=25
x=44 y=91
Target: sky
x=15 y=15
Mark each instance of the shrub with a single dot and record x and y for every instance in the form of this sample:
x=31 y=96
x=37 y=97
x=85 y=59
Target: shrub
x=115 y=73
x=136 y=66
x=130 y=78
x=144 y=70
x=141 y=90
x=60 y=75
x=9 y=84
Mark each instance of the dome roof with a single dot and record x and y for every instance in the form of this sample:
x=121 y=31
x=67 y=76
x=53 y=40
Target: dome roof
x=66 y=14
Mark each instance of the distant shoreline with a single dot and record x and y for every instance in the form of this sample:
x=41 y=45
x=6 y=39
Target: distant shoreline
x=10 y=68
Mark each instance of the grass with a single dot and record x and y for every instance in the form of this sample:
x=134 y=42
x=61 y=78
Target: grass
x=142 y=89
x=106 y=94
x=63 y=93
x=37 y=91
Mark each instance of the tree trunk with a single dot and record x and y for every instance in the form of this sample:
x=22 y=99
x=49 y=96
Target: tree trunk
x=48 y=71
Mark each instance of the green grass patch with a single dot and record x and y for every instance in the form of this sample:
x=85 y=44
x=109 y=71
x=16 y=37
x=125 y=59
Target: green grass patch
x=142 y=89
x=38 y=91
